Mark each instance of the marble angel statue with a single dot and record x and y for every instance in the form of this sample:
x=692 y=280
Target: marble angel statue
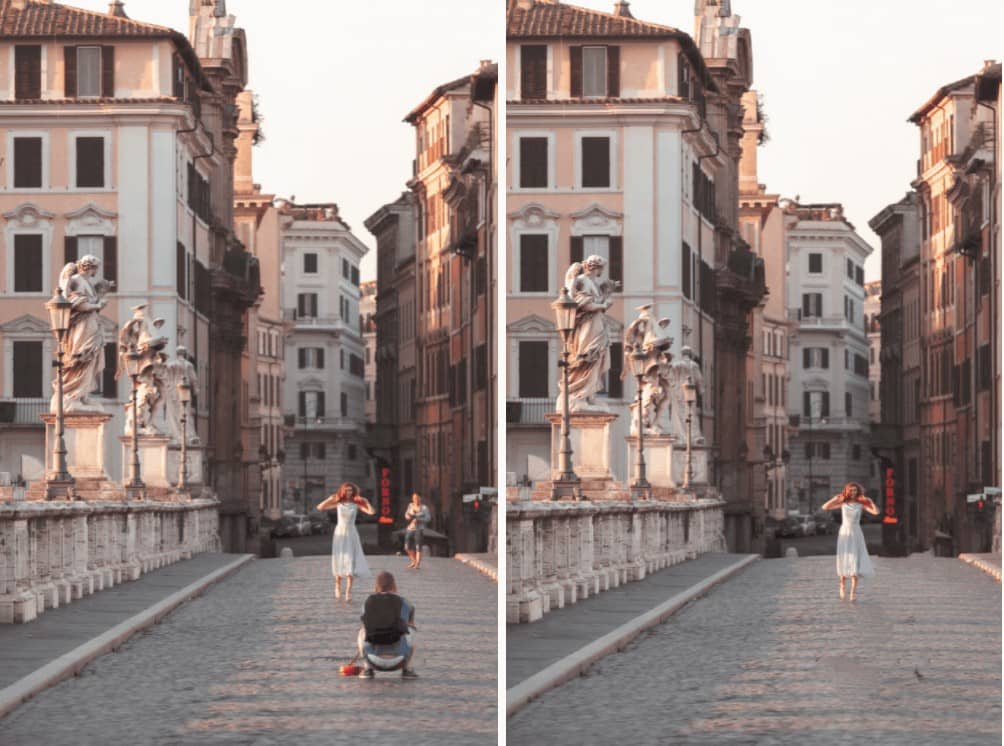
x=589 y=344
x=643 y=334
x=179 y=369
x=682 y=370
x=138 y=335
x=84 y=348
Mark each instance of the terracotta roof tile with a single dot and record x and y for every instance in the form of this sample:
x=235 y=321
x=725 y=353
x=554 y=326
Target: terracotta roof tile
x=51 y=19
x=550 y=19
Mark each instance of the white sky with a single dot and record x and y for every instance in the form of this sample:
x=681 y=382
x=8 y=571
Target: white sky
x=839 y=79
x=335 y=80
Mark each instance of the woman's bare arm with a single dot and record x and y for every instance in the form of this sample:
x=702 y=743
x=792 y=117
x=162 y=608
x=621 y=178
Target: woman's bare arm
x=870 y=506
x=832 y=504
x=364 y=505
x=327 y=503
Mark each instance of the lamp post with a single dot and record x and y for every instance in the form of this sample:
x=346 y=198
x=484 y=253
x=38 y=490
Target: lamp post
x=689 y=396
x=564 y=311
x=135 y=486
x=641 y=486
x=184 y=398
x=59 y=482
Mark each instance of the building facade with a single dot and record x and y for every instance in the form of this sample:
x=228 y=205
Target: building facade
x=454 y=184
x=324 y=389
x=367 y=312
x=119 y=141
x=624 y=143
x=828 y=401
x=958 y=187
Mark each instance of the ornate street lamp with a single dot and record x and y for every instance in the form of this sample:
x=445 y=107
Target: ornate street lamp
x=689 y=396
x=641 y=486
x=185 y=398
x=59 y=482
x=564 y=313
x=135 y=487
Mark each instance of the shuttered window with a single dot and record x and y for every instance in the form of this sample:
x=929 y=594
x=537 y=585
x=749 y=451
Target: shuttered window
x=27 y=162
x=575 y=252
x=533 y=369
x=533 y=263
x=595 y=162
x=616 y=259
x=109 y=387
x=180 y=266
x=27 y=263
x=88 y=72
x=27 y=71
x=27 y=367
x=71 y=251
x=685 y=268
x=110 y=264
x=533 y=71
x=306 y=305
x=815 y=263
x=344 y=402
x=595 y=71
x=533 y=163
x=91 y=162
x=812 y=304
x=615 y=386
x=310 y=264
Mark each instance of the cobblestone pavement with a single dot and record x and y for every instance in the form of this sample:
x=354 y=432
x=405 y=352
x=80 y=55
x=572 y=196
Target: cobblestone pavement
x=255 y=661
x=774 y=657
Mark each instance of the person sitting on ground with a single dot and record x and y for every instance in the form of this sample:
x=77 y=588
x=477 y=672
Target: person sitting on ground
x=418 y=518
x=387 y=638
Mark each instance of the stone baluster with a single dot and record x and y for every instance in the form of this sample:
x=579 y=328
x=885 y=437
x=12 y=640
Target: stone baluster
x=563 y=556
x=17 y=602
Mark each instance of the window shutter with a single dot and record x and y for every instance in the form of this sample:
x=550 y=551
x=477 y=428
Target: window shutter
x=807 y=404
x=110 y=266
x=70 y=72
x=533 y=156
x=533 y=263
x=533 y=84
x=320 y=404
x=109 y=388
x=303 y=403
x=685 y=259
x=613 y=72
x=90 y=162
x=575 y=249
x=301 y=357
x=806 y=310
x=27 y=71
x=70 y=251
x=826 y=357
x=617 y=258
x=108 y=72
x=28 y=162
x=615 y=386
x=826 y=404
x=301 y=305
x=180 y=262
x=806 y=357
x=533 y=369
x=595 y=161
x=27 y=263
x=320 y=357
x=313 y=304
x=27 y=365
x=575 y=54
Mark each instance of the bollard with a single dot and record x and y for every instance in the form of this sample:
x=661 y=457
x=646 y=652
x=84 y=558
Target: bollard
x=789 y=552
x=286 y=553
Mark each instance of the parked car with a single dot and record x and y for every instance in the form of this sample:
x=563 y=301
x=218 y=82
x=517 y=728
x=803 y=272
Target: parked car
x=319 y=523
x=291 y=525
x=825 y=524
x=808 y=524
x=790 y=527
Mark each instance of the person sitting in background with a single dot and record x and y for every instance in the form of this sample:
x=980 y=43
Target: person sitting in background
x=387 y=638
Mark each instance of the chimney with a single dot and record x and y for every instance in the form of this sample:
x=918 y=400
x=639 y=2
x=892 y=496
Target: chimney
x=621 y=9
x=117 y=8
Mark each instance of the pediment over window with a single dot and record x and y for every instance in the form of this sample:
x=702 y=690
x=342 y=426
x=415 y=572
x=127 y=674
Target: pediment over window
x=597 y=219
x=25 y=324
x=91 y=220
x=815 y=383
x=534 y=214
x=532 y=324
x=311 y=384
x=28 y=215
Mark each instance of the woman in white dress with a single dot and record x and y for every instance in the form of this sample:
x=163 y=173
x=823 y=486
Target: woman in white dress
x=347 y=558
x=852 y=551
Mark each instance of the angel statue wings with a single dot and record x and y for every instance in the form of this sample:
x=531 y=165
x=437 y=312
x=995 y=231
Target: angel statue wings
x=84 y=345
x=140 y=336
x=643 y=335
x=589 y=344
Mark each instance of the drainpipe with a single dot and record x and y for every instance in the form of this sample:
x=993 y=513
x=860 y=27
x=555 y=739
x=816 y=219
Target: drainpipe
x=994 y=218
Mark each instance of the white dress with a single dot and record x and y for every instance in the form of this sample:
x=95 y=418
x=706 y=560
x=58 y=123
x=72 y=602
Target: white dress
x=852 y=552
x=347 y=556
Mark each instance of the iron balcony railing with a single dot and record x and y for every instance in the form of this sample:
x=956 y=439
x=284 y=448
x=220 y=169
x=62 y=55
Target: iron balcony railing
x=528 y=411
x=23 y=411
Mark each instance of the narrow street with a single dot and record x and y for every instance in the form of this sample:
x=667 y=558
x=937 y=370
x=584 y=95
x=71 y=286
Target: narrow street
x=255 y=661
x=774 y=657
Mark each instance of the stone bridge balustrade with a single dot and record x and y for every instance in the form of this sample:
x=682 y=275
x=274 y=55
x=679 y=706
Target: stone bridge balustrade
x=561 y=552
x=52 y=553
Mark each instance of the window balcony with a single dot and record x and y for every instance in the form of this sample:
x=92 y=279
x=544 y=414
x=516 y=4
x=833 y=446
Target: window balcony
x=528 y=412
x=23 y=412
x=324 y=423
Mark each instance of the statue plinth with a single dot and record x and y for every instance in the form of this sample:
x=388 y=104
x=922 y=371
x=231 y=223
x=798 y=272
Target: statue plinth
x=590 y=436
x=194 y=456
x=658 y=458
x=84 y=434
x=153 y=460
x=698 y=464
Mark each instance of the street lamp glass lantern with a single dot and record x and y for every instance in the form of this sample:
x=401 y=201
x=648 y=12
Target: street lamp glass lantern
x=690 y=391
x=59 y=313
x=185 y=392
x=564 y=313
x=638 y=360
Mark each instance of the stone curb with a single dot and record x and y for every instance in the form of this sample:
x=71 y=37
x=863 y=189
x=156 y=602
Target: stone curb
x=485 y=568
x=981 y=564
x=72 y=662
x=572 y=665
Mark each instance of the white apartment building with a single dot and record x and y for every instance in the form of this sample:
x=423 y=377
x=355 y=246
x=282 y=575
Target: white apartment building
x=367 y=311
x=873 y=306
x=324 y=391
x=829 y=395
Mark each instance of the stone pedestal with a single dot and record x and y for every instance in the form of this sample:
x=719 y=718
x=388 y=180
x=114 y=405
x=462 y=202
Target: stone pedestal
x=84 y=434
x=194 y=454
x=153 y=460
x=698 y=464
x=590 y=436
x=658 y=459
